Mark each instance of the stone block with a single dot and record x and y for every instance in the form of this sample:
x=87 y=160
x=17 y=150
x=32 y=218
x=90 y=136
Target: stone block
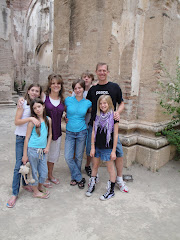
x=151 y=158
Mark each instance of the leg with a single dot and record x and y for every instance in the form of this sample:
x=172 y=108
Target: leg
x=95 y=161
x=80 y=145
x=69 y=156
x=17 y=176
x=88 y=149
x=119 y=167
x=111 y=171
x=53 y=157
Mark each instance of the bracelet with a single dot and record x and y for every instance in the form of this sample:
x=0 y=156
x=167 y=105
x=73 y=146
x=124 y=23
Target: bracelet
x=92 y=143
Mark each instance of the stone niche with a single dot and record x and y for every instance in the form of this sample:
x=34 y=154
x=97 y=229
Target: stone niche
x=131 y=36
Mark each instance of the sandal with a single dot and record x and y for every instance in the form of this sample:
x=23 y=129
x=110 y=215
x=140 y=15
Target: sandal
x=11 y=203
x=43 y=196
x=73 y=182
x=54 y=180
x=47 y=185
x=81 y=184
x=44 y=191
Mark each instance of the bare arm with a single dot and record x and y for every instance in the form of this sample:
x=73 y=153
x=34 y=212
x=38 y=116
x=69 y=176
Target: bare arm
x=46 y=150
x=115 y=139
x=28 y=134
x=92 y=153
x=19 y=121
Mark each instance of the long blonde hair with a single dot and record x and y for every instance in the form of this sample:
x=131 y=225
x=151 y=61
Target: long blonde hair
x=108 y=99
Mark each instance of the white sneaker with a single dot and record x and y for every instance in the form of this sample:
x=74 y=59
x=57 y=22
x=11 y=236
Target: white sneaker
x=109 y=194
x=91 y=186
x=122 y=187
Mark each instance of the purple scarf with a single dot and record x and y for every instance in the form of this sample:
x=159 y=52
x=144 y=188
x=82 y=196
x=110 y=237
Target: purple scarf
x=104 y=121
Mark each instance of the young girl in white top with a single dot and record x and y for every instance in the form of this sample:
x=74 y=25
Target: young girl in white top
x=23 y=116
x=103 y=144
x=36 y=146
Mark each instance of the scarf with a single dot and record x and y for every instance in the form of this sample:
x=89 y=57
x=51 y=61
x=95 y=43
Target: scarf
x=104 y=121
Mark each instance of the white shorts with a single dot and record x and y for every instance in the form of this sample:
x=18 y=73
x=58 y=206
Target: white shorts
x=54 y=151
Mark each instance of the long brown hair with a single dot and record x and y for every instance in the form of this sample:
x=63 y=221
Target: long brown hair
x=27 y=95
x=33 y=114
x=59 y=80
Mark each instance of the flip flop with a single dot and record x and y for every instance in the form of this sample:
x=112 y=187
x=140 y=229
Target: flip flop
x=44 y=196
x=11 y=205
x=54 y=180
x=73 y=183
x=47 y=185
x=45 y=191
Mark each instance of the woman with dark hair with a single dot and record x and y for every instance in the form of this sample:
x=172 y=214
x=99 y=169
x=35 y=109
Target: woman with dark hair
x=54 y=103
x=76 y=131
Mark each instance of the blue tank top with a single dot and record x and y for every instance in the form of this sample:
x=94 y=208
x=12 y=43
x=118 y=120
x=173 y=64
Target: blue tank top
x=36 y=141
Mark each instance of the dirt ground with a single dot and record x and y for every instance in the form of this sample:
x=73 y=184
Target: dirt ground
x=151 y=209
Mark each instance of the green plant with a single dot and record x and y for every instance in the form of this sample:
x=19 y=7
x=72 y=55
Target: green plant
x=170 y=100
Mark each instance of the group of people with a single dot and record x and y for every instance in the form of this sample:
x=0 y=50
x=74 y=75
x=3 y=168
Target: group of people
x=91 y=121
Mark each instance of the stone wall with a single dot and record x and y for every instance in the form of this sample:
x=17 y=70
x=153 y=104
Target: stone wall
x=131 y=36
x=6 y=54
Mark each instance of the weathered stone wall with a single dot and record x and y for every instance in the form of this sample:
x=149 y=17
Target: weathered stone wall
x=131 y=36
x=6 y=54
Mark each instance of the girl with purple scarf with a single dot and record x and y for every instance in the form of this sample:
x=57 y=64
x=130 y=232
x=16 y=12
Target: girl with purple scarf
x=103 y=144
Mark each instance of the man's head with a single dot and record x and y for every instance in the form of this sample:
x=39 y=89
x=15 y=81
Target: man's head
x=102 y=73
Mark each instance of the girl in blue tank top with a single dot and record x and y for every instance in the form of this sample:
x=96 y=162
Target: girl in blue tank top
x=36 y=146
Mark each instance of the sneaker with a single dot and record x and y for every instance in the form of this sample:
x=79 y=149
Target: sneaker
x=97 y=178
x=122 y=187
x=91 y=186
x=109 y=194
x=88 y=171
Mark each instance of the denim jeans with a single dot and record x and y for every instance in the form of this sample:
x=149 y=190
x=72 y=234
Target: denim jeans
x=38 y=164
x=17 y=175
x=75 y=143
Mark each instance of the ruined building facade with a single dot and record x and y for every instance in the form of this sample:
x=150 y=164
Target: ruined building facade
x=71 y=36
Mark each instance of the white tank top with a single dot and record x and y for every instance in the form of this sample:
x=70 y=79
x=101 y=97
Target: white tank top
x=21 y=129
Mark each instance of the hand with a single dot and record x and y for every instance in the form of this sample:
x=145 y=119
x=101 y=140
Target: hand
x=24 y=159
x=116 y=116
x=113 y=156
x=92 y=153
x=65 y=119
x=46 y=150
x=20 y=102
x=35 y=121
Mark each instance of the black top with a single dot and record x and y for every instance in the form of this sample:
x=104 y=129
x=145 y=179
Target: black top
x=95 y=92
x=100 y=141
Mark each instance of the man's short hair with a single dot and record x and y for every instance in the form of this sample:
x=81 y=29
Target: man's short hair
x=101 y=64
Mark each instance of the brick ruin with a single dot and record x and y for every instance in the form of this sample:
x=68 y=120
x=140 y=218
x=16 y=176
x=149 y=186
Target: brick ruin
x=71 y=36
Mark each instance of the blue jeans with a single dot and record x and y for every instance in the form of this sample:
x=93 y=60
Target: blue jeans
x=119 y=150
x=38 y=164
x=17 y=175
x=75 y=143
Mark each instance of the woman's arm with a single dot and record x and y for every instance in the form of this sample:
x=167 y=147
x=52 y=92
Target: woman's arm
x=113 y=153
x=46 y=150
x=28 y=134
x=92 y=153
x=19 y=121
